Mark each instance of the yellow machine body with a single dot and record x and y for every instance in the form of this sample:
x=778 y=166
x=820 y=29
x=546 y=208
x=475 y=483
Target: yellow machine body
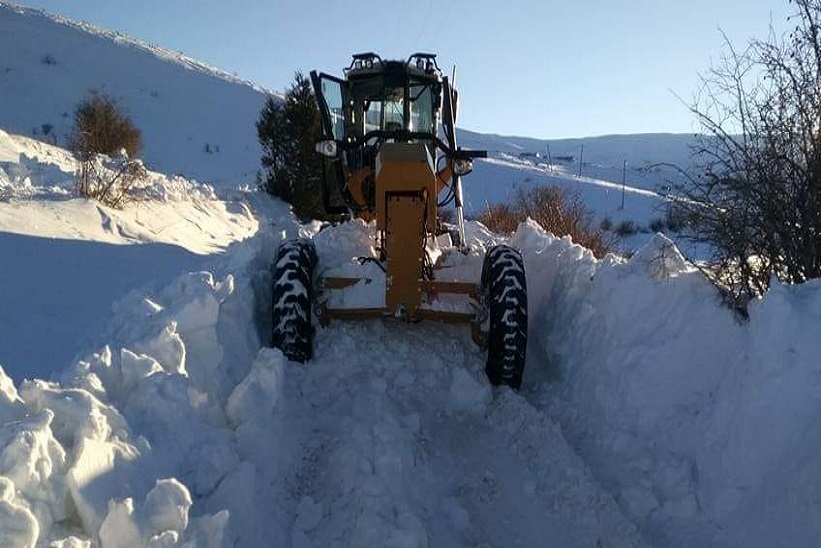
x=381 y=125
x=405 y=211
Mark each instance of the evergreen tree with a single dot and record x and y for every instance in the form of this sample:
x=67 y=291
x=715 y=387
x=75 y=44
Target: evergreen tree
x=288 y=131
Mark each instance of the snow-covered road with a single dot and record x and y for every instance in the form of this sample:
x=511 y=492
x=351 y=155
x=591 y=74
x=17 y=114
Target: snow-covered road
x=391 y=436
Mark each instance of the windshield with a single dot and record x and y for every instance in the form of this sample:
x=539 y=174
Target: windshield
x=332 y=97
x=421 y=108
x=393 y=108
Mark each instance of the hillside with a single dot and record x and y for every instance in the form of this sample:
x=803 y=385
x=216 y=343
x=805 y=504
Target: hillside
x=196 y=121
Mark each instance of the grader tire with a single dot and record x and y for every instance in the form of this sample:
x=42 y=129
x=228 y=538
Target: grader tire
x=292 y=274
x=505 y=288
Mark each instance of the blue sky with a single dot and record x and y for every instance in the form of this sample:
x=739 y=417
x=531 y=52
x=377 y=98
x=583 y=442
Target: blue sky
x=535 y=68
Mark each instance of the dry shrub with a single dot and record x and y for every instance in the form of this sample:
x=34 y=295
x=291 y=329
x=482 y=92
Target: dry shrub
x=556 y=209
x=110 y=181
x=754 y=198
x=100 y=128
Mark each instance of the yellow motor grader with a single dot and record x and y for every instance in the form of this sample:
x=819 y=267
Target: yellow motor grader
x=390 y=156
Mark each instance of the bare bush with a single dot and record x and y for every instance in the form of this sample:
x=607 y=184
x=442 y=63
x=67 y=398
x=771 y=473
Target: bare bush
x=109 y=181
x=756 y=198
x=101 y=128
x=556 y=209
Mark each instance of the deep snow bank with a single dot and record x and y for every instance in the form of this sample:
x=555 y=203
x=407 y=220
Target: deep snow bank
x=117 y=450
x=65 y=259
x=705 y=429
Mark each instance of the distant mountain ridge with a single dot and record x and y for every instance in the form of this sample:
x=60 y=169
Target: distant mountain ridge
x=636 y=149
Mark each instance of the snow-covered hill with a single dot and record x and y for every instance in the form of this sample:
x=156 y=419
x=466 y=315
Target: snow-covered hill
x=196 y=121
x=199 y=122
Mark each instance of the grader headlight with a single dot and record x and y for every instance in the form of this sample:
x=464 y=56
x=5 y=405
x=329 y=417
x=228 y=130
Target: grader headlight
x=462 y=167
x=327 y=148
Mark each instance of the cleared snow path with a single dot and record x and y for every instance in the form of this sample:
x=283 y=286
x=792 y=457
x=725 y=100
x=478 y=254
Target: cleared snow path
x=391 y=437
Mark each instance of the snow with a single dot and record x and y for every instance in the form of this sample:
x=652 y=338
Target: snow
x=184 y=428
x=140 y=405
x=698 y=424
x=209 y=139
x=71 y=254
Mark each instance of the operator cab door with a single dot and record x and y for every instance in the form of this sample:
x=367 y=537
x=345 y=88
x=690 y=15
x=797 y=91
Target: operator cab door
x=331 y=97
x=331 y=93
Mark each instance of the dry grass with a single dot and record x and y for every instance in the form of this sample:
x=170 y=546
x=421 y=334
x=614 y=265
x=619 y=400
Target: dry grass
x=556 y=209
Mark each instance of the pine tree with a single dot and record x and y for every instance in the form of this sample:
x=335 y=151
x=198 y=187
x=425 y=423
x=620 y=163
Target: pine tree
x=288 y=131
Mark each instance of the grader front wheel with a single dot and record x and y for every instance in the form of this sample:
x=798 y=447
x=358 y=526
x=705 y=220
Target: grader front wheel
x=505 y=289
x=292 y=289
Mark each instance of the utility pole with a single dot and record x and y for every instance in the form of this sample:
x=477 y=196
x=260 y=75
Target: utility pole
x=549 y=158
x=623 y=181
x=581 y=160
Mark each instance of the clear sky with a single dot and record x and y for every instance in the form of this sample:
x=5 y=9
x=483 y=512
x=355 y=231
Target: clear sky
x=537 y=68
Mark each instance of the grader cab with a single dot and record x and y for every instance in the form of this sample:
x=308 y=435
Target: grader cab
x=391 y=157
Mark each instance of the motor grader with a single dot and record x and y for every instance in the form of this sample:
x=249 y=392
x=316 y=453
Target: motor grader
x=391 y=158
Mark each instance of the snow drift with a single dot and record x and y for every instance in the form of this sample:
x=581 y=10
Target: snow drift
x=702 y=427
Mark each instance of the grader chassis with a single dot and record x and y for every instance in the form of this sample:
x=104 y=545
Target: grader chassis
x=382 y=148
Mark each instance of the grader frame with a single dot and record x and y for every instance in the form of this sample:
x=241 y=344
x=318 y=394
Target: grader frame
x=382 y=150
x=381 y=143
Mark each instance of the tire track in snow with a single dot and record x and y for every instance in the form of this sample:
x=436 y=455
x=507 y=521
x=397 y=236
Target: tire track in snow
x=396 y=439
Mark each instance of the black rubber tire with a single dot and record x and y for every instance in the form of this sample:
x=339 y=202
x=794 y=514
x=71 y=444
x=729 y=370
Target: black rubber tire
x=292 y=274
x=505 y=289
